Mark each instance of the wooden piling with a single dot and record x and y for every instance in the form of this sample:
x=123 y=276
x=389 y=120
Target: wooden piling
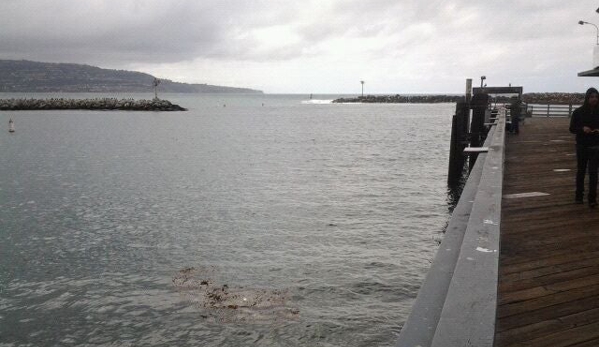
x=478 y=132
x=459 y=130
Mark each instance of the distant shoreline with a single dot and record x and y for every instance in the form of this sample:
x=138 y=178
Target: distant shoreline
x=21 y=104
x=23 y=76
x=530 y=98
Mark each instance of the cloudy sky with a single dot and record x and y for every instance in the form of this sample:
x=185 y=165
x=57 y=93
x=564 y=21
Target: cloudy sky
x=315 y=46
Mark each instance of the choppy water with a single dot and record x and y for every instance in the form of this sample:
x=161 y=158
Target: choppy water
x=246 y=221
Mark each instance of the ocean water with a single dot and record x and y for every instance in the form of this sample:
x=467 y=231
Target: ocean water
x=249 y=220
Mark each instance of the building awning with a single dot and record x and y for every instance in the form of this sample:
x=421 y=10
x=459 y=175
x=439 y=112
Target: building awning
x=497 y=90
x=589 y=73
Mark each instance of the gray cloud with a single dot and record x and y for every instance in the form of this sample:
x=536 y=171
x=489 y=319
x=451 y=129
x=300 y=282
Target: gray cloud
x=135 y=31
x=404 y=37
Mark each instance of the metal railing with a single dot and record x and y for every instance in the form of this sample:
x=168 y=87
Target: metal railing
x=550 y=110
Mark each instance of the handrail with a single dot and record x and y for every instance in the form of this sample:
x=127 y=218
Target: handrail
x=457 y=302
x=551 y=110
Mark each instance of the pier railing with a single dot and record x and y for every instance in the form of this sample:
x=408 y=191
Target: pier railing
x=551 y=110
x=457 y=303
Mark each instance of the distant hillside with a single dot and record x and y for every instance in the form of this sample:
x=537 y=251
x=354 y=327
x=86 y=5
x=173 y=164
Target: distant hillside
x=29 y=76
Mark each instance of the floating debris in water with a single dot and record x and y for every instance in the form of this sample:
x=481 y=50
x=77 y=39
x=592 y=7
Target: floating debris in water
x=231 y=304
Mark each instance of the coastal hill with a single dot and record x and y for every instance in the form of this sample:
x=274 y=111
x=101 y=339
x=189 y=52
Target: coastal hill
x=30 y=76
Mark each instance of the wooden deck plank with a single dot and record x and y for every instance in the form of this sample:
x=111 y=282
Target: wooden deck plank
x=520 y=307
x=550 y=326
x=549 y=262
x=558 y=275
x=543 y=271
x=565 y=338
x=550 y=313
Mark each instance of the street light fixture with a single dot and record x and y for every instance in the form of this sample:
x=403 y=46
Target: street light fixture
x=581 y=22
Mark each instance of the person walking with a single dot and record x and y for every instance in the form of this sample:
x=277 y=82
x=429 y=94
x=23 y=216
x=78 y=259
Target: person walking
x=585 y=124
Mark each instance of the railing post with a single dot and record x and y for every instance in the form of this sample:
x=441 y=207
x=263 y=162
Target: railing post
x=548 y=105
x=570 y=110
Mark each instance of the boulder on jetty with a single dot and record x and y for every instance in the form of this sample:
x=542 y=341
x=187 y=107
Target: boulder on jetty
x=89 y=104
x=396 y=99
x=553 y=98
x=529 y=98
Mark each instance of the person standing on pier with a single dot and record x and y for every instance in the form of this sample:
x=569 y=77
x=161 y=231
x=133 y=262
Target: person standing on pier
x=585 y=124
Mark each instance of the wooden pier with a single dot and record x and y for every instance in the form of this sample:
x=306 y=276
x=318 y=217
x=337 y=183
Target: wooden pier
x=549 y=262
x=519 y=264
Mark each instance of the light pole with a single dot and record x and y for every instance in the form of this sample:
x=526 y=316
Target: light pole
x=581 y=22
x=482 y=79
x=156 y=83
x=362 y=88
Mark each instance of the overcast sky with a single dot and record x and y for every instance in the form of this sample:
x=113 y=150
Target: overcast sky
x=315 y=46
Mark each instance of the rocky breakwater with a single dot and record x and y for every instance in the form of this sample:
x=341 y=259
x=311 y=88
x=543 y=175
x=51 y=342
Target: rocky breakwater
x=89 y=104
x=553 y=98
x=530 y=98
x=397 y=99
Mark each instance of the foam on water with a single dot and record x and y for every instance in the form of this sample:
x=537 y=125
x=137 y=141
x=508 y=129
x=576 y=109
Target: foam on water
x=317 y=102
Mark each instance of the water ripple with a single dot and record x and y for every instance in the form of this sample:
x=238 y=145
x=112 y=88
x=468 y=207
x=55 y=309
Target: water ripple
x=331 y=211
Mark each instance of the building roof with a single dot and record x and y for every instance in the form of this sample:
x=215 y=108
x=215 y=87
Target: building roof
x=498 y=90
x=589 y=73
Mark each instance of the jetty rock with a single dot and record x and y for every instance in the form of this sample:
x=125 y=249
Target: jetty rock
x=398 y=99
x=89 y=104
x=529 y=98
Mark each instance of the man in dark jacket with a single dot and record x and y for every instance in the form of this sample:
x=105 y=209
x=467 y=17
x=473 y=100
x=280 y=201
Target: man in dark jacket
x=585 y=124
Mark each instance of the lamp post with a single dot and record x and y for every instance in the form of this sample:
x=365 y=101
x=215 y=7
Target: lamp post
x=482 y=79
x=156 y=83
x=362 y=88
x=581 y=22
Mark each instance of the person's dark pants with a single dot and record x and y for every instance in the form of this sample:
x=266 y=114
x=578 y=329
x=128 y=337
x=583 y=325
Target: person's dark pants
x=516 y=125
x=582 y=158
x=593 y=166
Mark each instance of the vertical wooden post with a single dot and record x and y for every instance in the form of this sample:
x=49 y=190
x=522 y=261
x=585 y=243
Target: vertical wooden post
x=570 y=110
x=457 y=144
x=479 y=105
x=468 y=90
x=453 y=178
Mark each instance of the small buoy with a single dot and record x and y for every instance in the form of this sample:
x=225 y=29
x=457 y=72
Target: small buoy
x=11 y=126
